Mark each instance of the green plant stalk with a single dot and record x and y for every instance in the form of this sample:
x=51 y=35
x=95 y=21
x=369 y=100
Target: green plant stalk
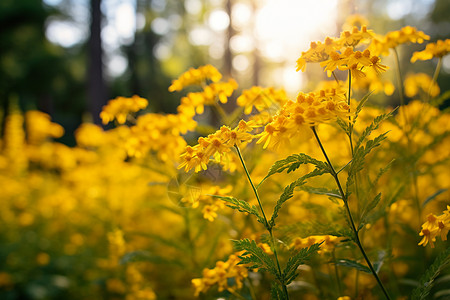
x=400 y=91
x=352 y=223
x=348 y=102
x=336 y=272
x=399 y=78
x=268 y=227
x=251 y=289
x=435 y=76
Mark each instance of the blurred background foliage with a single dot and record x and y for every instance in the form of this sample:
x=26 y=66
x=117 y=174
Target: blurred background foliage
x=46 y=60
x=48 y=57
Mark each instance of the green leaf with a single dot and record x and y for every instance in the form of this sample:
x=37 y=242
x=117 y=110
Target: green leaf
x=345 y=126
x=372 y=204
x=433 y=196
x=361 y=105
x=427 y=280
x=322 y=191
x=353 y=264
x=373 y=126
x=290 y=272
x=381 y=171
x=242 y=206
x=360 y=153
x=276 y=292
x=293 y=162
x=445 y=96
x=380 y=260
x=317 y=228
x=289 y=192
x=255 y=257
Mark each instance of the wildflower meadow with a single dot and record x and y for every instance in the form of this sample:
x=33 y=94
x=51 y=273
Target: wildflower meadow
x=326 y=194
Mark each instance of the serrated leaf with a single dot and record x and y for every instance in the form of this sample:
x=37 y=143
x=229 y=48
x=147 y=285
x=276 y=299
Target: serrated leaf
x=353 y=264
x=276 y=292
x=380 y=173
x=345 y=126
x=359 y=157
x=289 y=192
x=380 y=260
x=322 y=191
x=292 y=163
x=437 y=193
x=372 y=204
x=242 y=206
x=373 y=126
x=427 y=280
x=290 y=271
x=361 y=105
x=316 y=228
x=255 y=257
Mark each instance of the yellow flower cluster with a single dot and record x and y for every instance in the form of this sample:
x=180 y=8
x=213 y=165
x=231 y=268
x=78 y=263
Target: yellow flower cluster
x=420 y=81
x=435 y=226
x=210 y=205
x=438 y=49
x=381 y=44
x=158 y=133
x=373 y=82
x=329 y=242
x=89 y=135
x=220 y=275
x=261 y=98
x=119 y=108
x=294 y=118
x=194 y=103
x=39 y=127
x=320 y=52
x=195 y=77
x=340 y=54
x=215 y=145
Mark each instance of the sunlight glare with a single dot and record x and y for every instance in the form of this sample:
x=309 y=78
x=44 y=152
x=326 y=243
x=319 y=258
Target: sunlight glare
x=284 y=28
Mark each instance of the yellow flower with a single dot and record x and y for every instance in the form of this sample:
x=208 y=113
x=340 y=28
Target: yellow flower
x=353 y=38
x=39 y=127
x=89 y=135
x=318 y=52
x=195 y=77
x=355 y=20
x=194 y=103
x=420 y=81
x=261 y=98
x=328 y=242
x=435 y=226
x=381 y=44
x=119 y=108
x=438 y=49
x=217 y=145
x=220 y=276
x=294 y=119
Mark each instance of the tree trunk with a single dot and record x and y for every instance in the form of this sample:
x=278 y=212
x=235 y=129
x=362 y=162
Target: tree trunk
x=96 y=84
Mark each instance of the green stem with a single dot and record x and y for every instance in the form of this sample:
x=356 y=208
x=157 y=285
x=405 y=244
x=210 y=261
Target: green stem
x=349 y=214
x=253 y=186
x=335 y=78
x=401 y=92
x=336 y=272
x=350 y=126
x=435 y=76
x=399 y=78
x=251 y=289
x=266 y=223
